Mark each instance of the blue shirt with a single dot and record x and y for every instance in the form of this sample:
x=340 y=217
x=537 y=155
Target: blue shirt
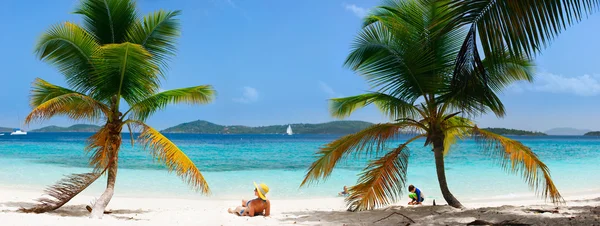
x=419 y=197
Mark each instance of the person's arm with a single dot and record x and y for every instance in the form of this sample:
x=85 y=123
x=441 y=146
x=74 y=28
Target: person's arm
x=268 y=209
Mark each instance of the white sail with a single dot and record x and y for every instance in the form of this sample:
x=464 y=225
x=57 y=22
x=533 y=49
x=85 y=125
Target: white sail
x=289 y=130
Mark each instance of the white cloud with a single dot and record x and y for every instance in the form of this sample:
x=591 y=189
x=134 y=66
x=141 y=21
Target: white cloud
x=585 y=85
x=250 y=95
x=358 y=11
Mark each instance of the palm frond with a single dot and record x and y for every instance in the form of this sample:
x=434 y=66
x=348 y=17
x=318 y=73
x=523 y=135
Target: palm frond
x=97 y=145
x=525 y=27
x=469 y=90
x=517 y=158
x=503 y=69
x=382 y=181
x=392 y=107
x=455 y=128
x=379 y=58
x=370 y=141
x=405 y=49
x=69 y=48
x=166 y=152
x=157 y=32
x=50 y=100
x=125 y=70
x=108 y=20
x=191 y=95
x=520 y=28
x=63 y=191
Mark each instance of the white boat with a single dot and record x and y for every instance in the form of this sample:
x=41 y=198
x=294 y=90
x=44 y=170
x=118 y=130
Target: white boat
x=289 y=130
x=18 y=131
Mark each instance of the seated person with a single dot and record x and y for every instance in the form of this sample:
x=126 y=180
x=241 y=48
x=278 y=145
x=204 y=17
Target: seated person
x=344 y=192
x=257 y=206
x=415 y=195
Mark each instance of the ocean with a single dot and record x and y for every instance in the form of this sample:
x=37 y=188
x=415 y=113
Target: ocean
x=230 y=163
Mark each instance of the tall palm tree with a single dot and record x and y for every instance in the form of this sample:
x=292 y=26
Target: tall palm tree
x=421 y=58
x=113 y=62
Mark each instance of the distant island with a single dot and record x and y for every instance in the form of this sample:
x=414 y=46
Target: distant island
x=567 y=131
x=6 y=129
x=505 y=131
x=334 y=127
x=593 y=133
x=73 y=128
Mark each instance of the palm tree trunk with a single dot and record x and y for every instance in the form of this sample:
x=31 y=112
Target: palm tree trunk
x=102 y=202
x=438 y=149
x=113 y=145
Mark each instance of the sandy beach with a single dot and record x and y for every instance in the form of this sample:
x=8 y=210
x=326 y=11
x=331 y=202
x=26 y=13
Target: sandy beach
x=579 y=210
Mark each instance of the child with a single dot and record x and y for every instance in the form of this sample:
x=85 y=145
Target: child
x=344 y=192
x=257 y=206
x=416 y=195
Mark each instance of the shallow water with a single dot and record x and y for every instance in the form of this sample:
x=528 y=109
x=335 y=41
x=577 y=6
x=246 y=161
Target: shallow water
x=230 y=163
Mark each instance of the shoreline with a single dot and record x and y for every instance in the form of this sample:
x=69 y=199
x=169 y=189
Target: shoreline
x=310 y=211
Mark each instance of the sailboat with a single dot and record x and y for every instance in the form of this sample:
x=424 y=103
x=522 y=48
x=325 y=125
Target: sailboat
x=18 y=131
x=289 y=130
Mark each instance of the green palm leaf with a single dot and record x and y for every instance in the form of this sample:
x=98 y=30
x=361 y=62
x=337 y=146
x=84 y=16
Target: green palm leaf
x=108 y=20
x=157 y=33
x=50 y=100
x=474 y=86
x=125 y=70
x=70 y=49
x=403 y=53
x=525 y=27
x=392 y=107
x=191 y=95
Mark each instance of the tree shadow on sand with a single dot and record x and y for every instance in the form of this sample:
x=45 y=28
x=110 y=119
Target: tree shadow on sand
x=75 y=210
x=445 y=215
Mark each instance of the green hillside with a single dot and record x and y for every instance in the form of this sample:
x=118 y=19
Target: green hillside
x=73 y=128
x=335 y=127
x=593 y=133
x=5 y=129
x=505 y=131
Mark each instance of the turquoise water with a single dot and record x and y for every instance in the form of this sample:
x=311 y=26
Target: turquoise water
x=231 y=163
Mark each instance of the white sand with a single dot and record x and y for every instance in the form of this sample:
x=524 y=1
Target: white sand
x=329 y=211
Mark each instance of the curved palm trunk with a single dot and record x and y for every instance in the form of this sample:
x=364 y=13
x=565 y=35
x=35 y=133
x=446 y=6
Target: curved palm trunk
x=113 y=146
x=438 y=149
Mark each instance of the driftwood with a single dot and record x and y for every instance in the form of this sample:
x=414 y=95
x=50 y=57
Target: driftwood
x=502 y=223
x=411 y=220
x=543 y=211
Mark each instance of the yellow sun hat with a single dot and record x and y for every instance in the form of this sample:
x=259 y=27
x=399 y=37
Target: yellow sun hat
x=262 y=190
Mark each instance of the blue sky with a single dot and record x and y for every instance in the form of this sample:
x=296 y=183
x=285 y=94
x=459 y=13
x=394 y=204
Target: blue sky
x=277 y=62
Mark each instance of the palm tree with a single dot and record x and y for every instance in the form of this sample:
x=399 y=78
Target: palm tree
x=421 y=58
x=114 y=61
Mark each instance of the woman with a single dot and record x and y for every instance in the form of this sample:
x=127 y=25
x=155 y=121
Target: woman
x=257 y=206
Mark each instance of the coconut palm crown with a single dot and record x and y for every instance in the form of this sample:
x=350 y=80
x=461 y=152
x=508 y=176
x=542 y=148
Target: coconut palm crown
x=113 y=65
x=422 y=61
